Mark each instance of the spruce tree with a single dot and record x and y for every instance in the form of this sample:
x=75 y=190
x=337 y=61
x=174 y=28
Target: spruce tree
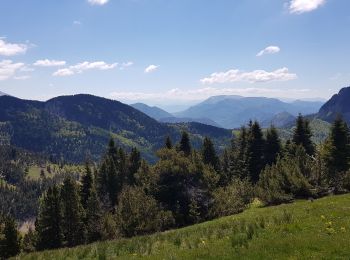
x=48 y=225
x=336 y=152
x=87 y=183
x=73 y=214
x=302 y=135
x=272 y=146
x=93 y=217
x=185 y=144
x=255 y=151
x=209 y=154
x=168 y=143
x=12 y=242
x=134 y=162
x=239 y=163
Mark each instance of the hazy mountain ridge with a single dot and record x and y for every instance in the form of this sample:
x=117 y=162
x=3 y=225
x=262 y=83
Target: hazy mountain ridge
x=234 y=111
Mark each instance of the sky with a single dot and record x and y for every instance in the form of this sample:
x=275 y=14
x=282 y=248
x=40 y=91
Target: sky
x=174 y=52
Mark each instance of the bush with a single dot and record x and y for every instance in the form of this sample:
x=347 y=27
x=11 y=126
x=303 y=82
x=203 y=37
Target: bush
x=138 y=213
x=232 y=199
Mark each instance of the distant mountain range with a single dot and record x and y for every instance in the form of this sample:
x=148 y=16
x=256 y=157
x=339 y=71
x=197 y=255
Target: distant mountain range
x=78 y=127
x=2 y=93
x=339 y=104
x=234 y=111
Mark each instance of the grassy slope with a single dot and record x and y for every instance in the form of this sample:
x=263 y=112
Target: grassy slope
x=319 y=230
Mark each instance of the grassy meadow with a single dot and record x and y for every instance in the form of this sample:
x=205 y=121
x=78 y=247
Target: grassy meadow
x=317 y=229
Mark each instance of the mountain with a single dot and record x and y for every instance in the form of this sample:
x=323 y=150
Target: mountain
x=234 y=111
x=205 y=121
x=154 y=112
x=77 y=127
x=339 y=104
x=3 y=94
x=282 y=119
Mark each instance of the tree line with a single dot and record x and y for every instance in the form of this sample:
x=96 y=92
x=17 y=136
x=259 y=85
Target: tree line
x=124 y=196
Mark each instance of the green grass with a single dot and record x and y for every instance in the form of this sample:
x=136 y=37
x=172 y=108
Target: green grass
x=302 y=230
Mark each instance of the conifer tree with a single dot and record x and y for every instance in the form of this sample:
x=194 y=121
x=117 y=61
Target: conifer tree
x=336 y=152
x=72 y=214
x=238 y=162
x=209 y=154
x=168 y=143
x=272 y=146
x=11 y=244
x=48 y=225
x=302 y=135
x=134 y=163
x=185 y=145
x=87 y=183
x=255 y=151
x=93 y=217
x=226 y=171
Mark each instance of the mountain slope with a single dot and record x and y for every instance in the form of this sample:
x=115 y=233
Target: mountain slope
x=301 y=230
x=76 y=127
x=2 y=93
x=154 y=112
x=339 y=104
x=234 y=111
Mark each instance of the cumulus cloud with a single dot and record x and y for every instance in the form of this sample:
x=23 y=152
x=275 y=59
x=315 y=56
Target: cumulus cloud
x=98 y=2
x=83 y=66
x=125 y=65
x=303 y=6
x=151 y=68
x=8 y=69
x=255 y=76
x=11 y=49
x=49 y=63
x=203 y=93
x=269 y=50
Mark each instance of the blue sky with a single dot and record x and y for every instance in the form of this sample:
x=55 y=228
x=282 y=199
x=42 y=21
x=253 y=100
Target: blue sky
x=174 y=51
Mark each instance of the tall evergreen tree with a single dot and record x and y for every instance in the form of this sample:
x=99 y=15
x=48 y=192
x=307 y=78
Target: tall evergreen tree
x=255 y=151
x=226 y=169
x=168 y=143
x=134 y=163
x=185 y=144
x=93 y=217
x=87 y=183
x=272 y=146
x=336 y=152
x=209 y=155
x=73 y=214
x=11 y=244
x=48 y=225
x=302 y=135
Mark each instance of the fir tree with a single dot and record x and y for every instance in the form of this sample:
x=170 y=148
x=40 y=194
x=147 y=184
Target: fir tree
x=134 y=162
x=185 y=145
x=272 y=145
x=336 y=152
x=302 y=135
x=87 y=182
x=209 y=154
x=168 y=143
x=73 y=215
x=93 y=217
x=11 y=243
x=255 y=151
x=48 y=225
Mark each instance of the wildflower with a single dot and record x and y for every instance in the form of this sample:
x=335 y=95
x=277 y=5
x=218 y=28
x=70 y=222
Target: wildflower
x=323 y=217
x=203 y=242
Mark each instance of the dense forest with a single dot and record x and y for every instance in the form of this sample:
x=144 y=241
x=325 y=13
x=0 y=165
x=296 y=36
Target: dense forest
x=123 y=195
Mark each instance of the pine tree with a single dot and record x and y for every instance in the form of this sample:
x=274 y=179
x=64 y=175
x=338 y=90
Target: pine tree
x=255 y=151
x=226 y=171
x=48 y=225
x=302 y=135
x=185 y=145
x=209 y=154
x=73 y=214
x=336 y=152
x=12 y=242
x=87 y=182
x=168 y=143
x=272 y=146
x=238 y=162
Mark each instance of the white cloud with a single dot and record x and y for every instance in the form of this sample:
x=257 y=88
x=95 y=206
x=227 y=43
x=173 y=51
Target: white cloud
x=83 y=66
x=125 y=65
x=11 y=49
x=255 y=76
x=269 y=50
x=8 y=69
x=203 y=93
x=303 y=6
x=24 y=77
x=98 y=2
x=49 y=63
x=151 y=68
